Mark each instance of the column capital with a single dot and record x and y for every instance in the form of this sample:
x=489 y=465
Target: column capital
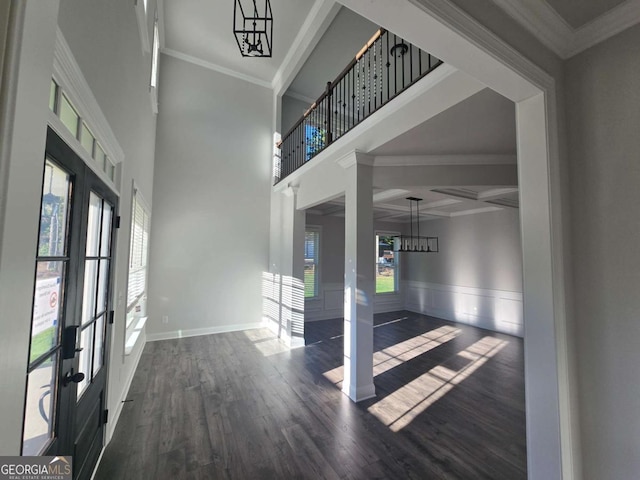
x=355 y=157
x=290 y=191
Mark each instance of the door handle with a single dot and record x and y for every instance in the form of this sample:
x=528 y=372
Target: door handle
x=71 y=377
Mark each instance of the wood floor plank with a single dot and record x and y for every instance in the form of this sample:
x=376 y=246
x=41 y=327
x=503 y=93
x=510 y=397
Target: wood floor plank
x=240 y=406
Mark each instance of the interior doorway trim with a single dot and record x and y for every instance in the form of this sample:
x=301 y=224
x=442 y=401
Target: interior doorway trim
x=461 y=41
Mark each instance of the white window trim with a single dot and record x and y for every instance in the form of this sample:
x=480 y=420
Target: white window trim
x=155 y=64
x=141 y=16
x=396 y=274
x=318 y=229
x=135 y=324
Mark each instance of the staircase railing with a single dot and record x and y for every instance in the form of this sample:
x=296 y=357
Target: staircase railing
x=385 y=67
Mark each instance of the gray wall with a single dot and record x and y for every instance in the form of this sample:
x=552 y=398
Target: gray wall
x=292 y=110
x=603 y=116
x=210 y=224
x=479 y=251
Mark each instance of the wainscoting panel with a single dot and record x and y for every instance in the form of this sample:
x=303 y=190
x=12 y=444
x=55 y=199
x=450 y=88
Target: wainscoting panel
x=496 y=310
x=330 y=303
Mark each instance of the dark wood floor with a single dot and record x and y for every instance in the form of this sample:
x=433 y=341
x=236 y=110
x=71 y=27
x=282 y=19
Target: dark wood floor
x=450 y=405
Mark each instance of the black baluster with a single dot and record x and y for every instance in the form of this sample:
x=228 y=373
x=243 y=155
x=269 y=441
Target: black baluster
x=410 y=63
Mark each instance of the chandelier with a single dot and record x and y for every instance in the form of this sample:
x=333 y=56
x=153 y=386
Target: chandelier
x=411 y=243
x=253 y=27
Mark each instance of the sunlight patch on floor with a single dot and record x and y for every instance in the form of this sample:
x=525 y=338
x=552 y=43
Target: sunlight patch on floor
x=397 y=354
x=401 y=407
x=266 y=341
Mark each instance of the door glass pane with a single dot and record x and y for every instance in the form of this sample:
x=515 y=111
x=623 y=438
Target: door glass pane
x=54 y=213
x=68 y=115
x=89 y=295
x=93 y=227
x=103 y=286
x=46 y=307
x=86 y=354
x=39 y=413
x=105 y=244
x=98 y=350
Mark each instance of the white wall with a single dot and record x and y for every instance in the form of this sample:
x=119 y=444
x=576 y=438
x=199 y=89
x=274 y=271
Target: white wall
x=23 y=110
x=476 y=277
x=105 y=41
x=330 y=300
x=4 y=24
x=603 y=115
x=210 y=224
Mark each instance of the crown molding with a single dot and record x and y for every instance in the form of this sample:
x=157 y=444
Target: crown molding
x=215 y=67
x=554 y=32
x=616 y=20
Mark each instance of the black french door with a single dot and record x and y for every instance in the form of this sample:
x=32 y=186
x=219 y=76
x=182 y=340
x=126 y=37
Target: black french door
x=67 y=376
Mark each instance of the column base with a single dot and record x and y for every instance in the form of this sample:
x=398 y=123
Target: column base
x=358 y=394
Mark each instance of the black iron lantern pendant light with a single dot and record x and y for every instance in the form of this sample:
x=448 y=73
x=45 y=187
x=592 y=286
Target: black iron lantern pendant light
x=253 y=27
x=411 y=243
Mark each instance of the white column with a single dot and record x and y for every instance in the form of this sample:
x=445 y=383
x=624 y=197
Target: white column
x=359 y=278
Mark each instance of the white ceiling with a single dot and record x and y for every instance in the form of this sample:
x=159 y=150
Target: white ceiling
x=578 y=12
x=203 y=29
x=435 y=204
x=485 y=123
x=568 y=27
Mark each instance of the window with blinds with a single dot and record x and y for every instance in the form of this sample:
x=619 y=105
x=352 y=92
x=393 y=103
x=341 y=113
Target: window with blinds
x=138 y=255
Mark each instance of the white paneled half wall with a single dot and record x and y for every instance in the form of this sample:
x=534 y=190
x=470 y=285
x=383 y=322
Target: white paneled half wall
x=495 y=310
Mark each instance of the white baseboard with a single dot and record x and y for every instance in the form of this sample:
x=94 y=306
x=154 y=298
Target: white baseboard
x=195 y=332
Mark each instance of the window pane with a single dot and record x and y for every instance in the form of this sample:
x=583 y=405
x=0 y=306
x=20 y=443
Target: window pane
x=86 y=138
x=86 y=354
x=52 y=96
x=103 y=286
x=385 y=264
x=93 y=227
x=89 y=295
x=101 y=157
x=311 y=245
x=54 y=212
x=68 y=115
x=98 y=351
x=111 y=171
x=48 y=298
x=39 y=412
x=105 y=243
